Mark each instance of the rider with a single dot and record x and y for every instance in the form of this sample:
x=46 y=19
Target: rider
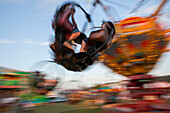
x=62 y=19
x=62 y=24
x=99 y=37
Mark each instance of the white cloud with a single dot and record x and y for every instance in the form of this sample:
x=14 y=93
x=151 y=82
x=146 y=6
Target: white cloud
x=24 y=42
x=36 y=43
x=7 y=41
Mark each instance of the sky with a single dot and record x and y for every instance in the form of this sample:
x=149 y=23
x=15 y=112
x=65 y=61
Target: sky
x=25 y=32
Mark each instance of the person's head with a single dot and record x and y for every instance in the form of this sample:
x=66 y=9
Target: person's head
x=69 y=6
x=110 y=26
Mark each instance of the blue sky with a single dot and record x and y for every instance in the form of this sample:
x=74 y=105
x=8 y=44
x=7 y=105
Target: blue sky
x=25 y=28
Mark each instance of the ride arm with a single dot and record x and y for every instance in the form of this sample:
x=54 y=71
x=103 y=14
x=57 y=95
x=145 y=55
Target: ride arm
x=87 y=15
x=159 y=8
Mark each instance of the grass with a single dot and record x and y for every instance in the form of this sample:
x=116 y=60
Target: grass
x=54 y=108
x=90 y=110
x=65 y=108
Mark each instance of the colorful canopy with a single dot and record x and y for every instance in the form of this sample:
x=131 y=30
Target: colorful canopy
x=139 y=45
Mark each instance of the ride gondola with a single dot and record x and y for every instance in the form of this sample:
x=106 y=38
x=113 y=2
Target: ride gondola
x=79 y=61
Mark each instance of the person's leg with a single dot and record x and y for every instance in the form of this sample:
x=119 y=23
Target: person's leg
x=68 y=45
x=74 y=36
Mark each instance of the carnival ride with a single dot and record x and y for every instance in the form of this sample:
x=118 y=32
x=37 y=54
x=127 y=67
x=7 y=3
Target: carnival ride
x=136 y=48
x=140 y=43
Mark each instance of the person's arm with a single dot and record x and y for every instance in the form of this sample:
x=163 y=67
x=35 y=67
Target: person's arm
x=72 y=17
x=83 y=45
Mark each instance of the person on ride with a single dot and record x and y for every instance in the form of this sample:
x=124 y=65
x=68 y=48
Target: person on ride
x=99 y=37
x=69 y=30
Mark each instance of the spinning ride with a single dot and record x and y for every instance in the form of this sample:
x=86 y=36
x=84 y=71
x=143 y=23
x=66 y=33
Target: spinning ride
x=139 y=45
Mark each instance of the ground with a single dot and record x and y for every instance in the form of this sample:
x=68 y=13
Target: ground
x=65 y=108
